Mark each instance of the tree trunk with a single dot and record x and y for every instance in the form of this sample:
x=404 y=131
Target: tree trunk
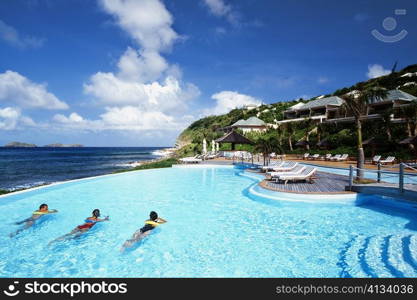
x=307 y=140
x=389 y=134
x=290 y=143
x=361 y=155
x=410 y=131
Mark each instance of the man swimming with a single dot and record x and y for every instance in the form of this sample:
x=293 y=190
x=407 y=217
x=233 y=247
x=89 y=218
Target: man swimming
x=37 y=214
x=150 y=224
x=80 y=229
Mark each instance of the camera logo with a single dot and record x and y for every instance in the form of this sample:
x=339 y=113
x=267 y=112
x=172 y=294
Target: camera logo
x=12 y=291
x=390 y=24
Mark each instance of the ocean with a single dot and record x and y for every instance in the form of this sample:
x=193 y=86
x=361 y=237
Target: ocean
x=28 y=167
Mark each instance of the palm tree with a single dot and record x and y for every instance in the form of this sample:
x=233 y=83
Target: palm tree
x=289 y=129
x=358 y=106
x=387 y=123
x=266 y=144
x=308 y=125
x=409 y=113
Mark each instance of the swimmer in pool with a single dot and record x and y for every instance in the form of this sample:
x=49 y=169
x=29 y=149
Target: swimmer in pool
x=150 y=224
x=80 y=229
x=37 y=214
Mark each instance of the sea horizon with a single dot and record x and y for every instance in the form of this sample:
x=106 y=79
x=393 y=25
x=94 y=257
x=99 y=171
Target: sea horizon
x=26 y=167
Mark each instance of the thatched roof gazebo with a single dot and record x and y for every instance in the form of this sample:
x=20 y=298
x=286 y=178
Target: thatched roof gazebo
x=234 y=138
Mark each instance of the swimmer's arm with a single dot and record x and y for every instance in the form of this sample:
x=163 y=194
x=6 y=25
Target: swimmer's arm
x=102 y=220
x=52 y=211
x=161 y=221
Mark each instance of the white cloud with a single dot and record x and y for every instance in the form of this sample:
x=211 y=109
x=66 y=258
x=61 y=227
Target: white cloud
x=220 y=9
x=11 y=118
x=145 y=92
x=17 y=89
x=11 y=36
x=124 y=118
x=169 y=95
x=147 y=21
x=376 y=70
x=228 y=100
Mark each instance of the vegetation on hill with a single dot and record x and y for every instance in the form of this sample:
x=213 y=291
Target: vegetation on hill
x=341 y=137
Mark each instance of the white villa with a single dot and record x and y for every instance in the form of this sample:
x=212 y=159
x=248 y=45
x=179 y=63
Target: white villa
x=249 y=125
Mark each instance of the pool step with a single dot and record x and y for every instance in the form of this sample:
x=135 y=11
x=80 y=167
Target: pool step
x=380 y=256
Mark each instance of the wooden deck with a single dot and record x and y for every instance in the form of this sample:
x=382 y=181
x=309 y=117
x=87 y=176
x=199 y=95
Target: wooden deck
x=325 y=183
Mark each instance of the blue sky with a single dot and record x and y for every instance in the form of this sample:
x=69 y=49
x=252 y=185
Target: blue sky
x=136 y=72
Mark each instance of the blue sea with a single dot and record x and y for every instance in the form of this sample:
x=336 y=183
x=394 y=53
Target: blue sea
x=27 y=167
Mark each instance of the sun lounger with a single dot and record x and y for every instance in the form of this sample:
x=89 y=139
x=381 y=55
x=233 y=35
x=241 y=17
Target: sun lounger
x=306 y=174
x=286 y=166
x=314 y=157
x=376 y=159
x=190 y=160
x=295 y=171
x=306 y=155
x=388 y=160
x=336 y=157
x=272 y=165
x=343 y=157
x=328 y=156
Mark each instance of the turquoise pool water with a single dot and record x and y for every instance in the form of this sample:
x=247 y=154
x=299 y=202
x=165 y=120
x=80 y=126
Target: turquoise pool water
x=215 y=228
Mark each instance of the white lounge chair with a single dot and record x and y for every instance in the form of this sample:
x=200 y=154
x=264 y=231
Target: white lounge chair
x=343 y=157
x=306 y=174
x=272 y=165
x=388 y=160
x=336 y=157
x=297 y=170
x=190 y=160
x=306 y=155
x=376 y=159
x=286 y=166
x=328 y=156
x=314 y=157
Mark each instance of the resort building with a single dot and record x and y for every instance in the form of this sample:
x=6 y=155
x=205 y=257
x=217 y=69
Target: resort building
x=376 y=107
x=317 y=109
x=329 y=109
x=249 y=125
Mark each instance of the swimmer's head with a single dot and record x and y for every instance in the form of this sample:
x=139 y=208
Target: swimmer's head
x=43 y=207
x=153 y=216
x=96 y=213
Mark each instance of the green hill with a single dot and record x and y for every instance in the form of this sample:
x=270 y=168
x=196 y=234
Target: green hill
x=341 y=137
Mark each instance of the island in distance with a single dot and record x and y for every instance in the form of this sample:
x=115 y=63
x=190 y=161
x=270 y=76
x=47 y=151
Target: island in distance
x=19 y=144
x=26 y=145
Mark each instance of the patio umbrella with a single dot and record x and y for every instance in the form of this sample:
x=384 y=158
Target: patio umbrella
x=324 y=144
x=373 y=142
x=213 y=146
x=411 y=140
x=302 y=143
x=204 y=146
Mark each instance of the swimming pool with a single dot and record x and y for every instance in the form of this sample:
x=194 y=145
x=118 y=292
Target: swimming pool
x=215 y=229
